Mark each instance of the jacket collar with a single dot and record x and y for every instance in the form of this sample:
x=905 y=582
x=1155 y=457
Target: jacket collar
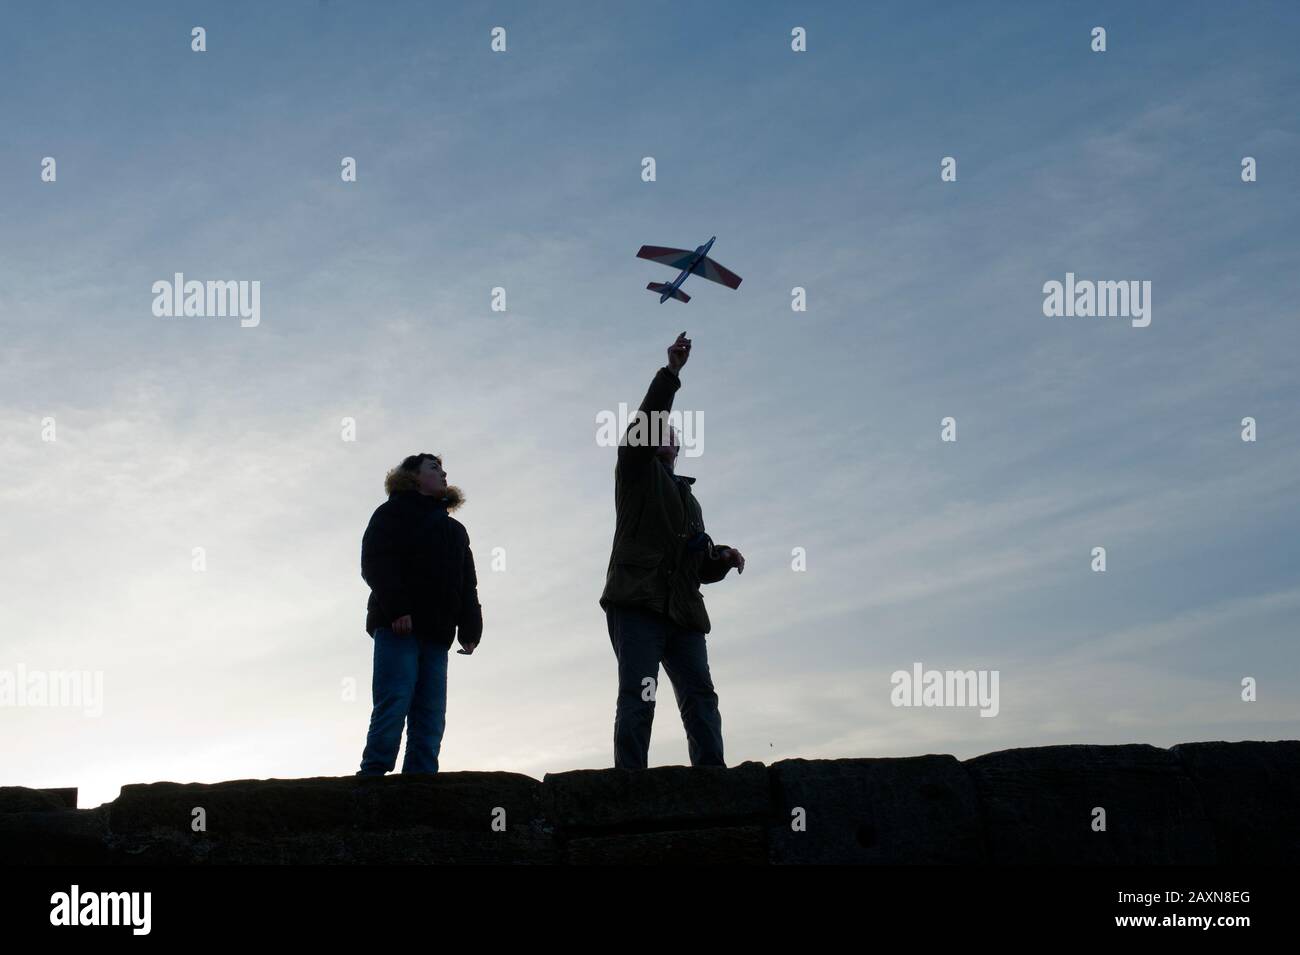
x=423 y=500
x=399 y=480
x=674 y=475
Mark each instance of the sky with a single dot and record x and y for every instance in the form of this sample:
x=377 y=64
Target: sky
x=131 y=439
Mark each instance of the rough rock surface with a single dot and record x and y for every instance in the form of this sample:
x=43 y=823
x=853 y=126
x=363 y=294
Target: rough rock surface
x=1210 y=802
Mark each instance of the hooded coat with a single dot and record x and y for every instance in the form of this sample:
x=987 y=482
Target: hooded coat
x=417 y=560
x=661 y=554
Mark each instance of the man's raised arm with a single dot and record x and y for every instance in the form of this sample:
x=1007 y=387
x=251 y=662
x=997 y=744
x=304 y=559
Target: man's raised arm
x=637 y=446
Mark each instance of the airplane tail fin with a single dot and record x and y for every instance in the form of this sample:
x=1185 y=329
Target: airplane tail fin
x=662 y=288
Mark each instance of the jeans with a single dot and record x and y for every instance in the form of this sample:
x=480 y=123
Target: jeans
x=642 y=640
x=409 y=686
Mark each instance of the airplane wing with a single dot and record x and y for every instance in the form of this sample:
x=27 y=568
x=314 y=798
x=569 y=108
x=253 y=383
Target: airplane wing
x=673 y=258
x=714 y=272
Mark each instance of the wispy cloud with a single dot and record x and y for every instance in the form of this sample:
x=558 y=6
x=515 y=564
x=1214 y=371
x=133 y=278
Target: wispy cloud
x=822 y=427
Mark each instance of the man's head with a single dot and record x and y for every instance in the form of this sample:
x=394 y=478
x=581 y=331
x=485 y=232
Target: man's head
x=667 y=451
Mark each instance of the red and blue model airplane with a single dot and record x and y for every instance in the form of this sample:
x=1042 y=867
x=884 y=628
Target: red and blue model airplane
x=690 y=263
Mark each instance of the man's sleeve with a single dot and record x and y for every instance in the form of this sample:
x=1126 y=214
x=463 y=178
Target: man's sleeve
x=381 y=564
x=470 y=624
x=653 y=414
x=713 y=568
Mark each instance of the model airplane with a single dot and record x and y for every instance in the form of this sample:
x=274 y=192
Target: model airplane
x=690 y=263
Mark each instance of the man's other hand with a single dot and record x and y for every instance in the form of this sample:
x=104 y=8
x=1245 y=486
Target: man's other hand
x=733 y=558
x=402 y=625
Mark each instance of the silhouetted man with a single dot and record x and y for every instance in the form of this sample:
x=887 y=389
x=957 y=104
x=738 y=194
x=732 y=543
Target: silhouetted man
x=423 y=592
x=652 y=599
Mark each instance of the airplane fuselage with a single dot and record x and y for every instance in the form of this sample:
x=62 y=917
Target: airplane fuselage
x=700 y=252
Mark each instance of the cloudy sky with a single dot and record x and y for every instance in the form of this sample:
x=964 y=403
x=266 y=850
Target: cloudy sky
x=522 y=170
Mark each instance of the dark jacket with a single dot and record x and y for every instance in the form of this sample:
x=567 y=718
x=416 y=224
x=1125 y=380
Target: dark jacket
x=417 y=560
x=661 y=554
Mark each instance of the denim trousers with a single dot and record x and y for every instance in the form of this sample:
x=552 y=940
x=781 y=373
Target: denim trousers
x=409 y=686
x=643 y=639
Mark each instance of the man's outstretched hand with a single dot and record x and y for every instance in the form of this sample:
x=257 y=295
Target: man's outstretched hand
x=679 y=352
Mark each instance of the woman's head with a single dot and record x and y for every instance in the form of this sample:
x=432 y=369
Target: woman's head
x=423 y=473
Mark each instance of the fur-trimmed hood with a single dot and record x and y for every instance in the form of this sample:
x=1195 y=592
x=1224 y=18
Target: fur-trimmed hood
x=399 y=480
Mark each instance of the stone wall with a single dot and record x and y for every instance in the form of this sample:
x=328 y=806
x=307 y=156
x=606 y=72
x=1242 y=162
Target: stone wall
x=1194 y=803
